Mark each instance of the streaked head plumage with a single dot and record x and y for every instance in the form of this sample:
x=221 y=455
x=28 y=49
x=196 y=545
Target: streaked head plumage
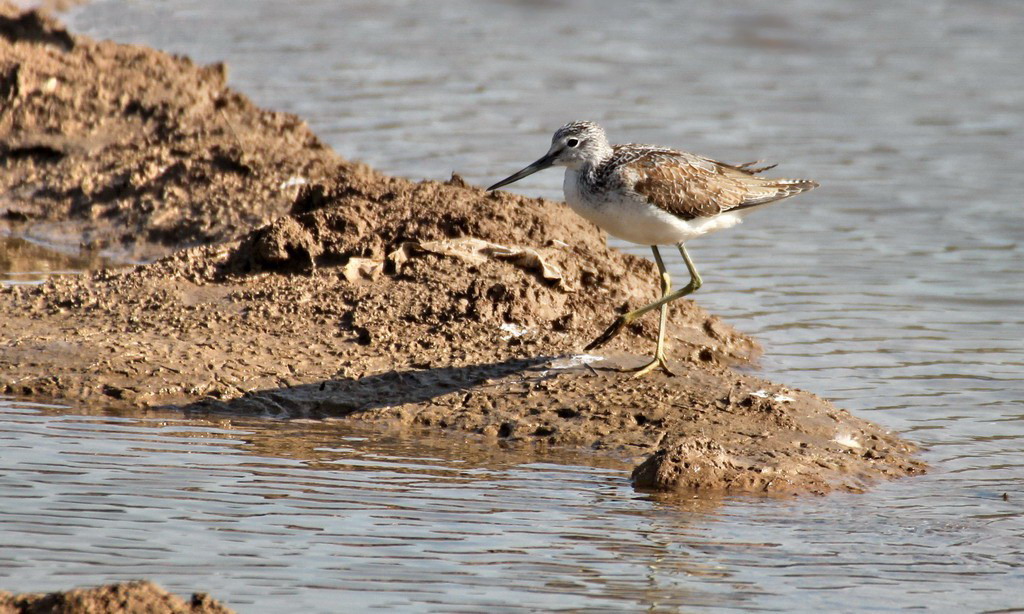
x=574 y=145
x=578 y=143
x=579 y=129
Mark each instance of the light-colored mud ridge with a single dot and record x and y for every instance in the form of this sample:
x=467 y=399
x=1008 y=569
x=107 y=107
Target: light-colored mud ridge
x=430 y=304
x=123 y=598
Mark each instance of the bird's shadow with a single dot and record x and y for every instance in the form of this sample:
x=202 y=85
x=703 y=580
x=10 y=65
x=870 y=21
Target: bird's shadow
x=344 y=396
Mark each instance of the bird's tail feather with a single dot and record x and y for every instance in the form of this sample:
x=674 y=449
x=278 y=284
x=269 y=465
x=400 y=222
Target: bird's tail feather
x=772 y=190
x=752 y=167
x=792 y=187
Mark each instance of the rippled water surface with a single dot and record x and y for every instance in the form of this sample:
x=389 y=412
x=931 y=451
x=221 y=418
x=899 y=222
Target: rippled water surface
x=895 y=290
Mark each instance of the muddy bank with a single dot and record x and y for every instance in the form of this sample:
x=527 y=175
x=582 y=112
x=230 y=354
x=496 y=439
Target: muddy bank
x=393 y=302
x=129 y=150
x=382 y=300
x=122 y=598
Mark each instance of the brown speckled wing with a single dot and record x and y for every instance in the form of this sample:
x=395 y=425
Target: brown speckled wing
x=691 y=186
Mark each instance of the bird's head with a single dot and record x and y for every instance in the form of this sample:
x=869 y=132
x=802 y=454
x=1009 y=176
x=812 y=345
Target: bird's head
x=574 y=146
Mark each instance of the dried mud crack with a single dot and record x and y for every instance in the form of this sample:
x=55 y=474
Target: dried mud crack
x=335 y=291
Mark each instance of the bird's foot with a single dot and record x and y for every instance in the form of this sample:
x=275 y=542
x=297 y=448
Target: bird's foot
x=620 y=323
x=658 y=361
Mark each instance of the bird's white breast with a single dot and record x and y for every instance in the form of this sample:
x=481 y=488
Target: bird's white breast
x=628 y=216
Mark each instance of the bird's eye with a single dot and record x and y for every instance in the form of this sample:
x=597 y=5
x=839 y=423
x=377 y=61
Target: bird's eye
x=572 y=142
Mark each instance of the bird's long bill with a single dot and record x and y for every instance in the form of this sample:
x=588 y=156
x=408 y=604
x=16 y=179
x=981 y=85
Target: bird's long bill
x=539 y=165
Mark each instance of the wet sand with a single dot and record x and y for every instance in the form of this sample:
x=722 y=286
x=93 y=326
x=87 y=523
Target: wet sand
x=316 y=287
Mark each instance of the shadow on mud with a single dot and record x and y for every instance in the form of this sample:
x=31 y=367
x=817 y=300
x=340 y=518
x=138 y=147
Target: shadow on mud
x=348 y=395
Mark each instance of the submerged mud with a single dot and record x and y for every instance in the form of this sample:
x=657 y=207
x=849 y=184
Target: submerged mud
x=375 y=298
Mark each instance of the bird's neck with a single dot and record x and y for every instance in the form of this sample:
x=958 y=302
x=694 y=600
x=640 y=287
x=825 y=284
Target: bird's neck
x=592 y=167
x=597 y=158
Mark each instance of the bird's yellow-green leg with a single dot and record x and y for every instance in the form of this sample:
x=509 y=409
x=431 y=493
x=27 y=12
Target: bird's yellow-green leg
x=659 y=359
x=695 y=281
x=628 y=318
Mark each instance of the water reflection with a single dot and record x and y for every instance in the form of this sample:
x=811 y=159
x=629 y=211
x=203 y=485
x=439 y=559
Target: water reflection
x=274 y=515
x=274 y=509
x=23 y=261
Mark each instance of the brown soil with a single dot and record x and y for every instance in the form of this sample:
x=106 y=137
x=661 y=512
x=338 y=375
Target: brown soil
x=123 y=598
x=124 y=149
x=387 y=301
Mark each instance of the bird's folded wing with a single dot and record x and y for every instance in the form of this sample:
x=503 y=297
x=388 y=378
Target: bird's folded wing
x=691 y=186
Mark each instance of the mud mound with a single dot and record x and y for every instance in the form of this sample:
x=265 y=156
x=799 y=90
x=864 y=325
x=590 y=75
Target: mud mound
x=371 y=304
x=711 y=430
x=376 y=277
x=371 y=298
x=132 y=150
x=123 y=598
x=427 y=260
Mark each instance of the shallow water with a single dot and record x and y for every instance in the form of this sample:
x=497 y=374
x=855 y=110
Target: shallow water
x=895 y=290
x=29 y=262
